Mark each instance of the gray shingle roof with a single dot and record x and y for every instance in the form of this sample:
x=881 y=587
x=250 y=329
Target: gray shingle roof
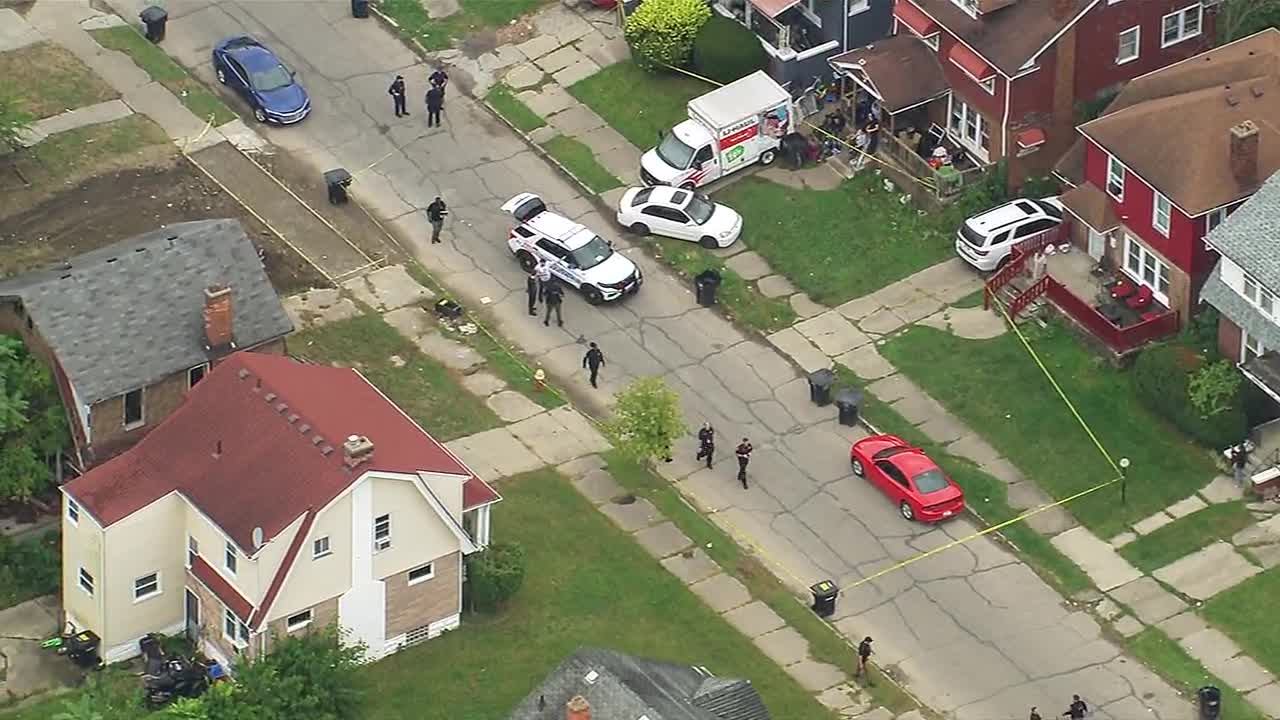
x=1251 y=236
x=624 y=687
x=1238 y=310
x=129 y=314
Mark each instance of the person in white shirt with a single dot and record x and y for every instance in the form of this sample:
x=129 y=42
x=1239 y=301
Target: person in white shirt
x=543 y=271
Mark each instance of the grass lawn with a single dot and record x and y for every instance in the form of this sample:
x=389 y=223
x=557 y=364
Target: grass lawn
x=90 y=148
x=516 y=112
x=606 y=592
x=839 y=244
x=579 y=160
x=473 y=15
x=1186 y=535
x=738 y=297
x=1246 y=614
x=165 y=71
x=45 y=79
x=995 y=388
x=1169 y=660
x=637 y=103
x=426 y=390
x=969 y=301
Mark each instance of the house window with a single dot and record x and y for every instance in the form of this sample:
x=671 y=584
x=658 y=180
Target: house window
x=858 y=6
x=299 y=621
x=234 y=630
x=73 y=512
x=382 y=533
x=969 y=6
x=969 y=128
x=133 y=408
x=1147 y=269
x=193 y=550
x=1259 y=297
x=1215 y=219
x=86 y=581
x=1115 y=178
x=146 y=586
x=196 y=374
x=810 y=10
x=320 y=548
x=1129 y=45
x=1250 y=347
x=229 y=557
x=1160 y=212
x=1180 y=25
x=422 y=573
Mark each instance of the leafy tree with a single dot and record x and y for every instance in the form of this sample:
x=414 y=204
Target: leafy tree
x=33 y=426
x=725 y=50
x=646 y=420
x=304 y=676
x=661 y=32
x=495 y=575
x=13 y=122
x=1214 y=388
x=1242 y=18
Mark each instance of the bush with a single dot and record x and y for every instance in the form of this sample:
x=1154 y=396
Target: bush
x=29 y=568
x=495 y=575
x=725 y=50
x=661 y=32
x=1161 y=378
x=312 y=675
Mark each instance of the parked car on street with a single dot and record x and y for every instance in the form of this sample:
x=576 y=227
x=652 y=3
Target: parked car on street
x=908 y=477
x=578 y=256
x=986 y=241
x=681 y=214
x=252 y=70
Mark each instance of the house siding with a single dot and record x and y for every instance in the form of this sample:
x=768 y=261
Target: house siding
x=151 y=540
x=1097 y=71
x=323 y=615
x=414 y=606
x=1228 y=339
x=82 y=546
x=211 y=615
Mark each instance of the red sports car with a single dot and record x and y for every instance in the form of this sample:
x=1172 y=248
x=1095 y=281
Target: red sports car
x=904 y=473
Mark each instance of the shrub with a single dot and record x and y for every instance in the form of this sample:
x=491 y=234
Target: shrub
x=1161 y=378
x=726 y=50
x=661 y=32
x=29 y=568
x=495 y=575
x=312 y=675
x=1214 y=388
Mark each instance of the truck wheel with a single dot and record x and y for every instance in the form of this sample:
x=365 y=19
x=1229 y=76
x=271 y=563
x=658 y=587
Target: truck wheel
x=708 y=242
x=767 y=157
x=527 y=263
x=640 y=228
x=593 y=294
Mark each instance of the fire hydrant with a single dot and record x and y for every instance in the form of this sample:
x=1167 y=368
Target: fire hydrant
x=539 y=379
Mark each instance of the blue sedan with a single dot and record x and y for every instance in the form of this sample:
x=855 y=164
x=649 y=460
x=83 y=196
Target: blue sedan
x=255 y=72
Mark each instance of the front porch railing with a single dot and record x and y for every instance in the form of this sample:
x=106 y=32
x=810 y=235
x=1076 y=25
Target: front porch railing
x=1017 y=264
x=945 y=185
x=1120 y=339
x=771 y=31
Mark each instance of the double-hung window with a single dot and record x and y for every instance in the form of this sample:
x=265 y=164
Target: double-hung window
x=1115 y=178
x=969 y=128
x=858 y=6
x=1180 y=25
x=1129 y=45
x=1146 y=268
x=146 y=586
x=381 y=533
x=193 y=550
x=1161 y=209
x=86 y=581
x=230 y=557
x=73 y=511
x=298 y=621
x=320 y=548
x=1259 y=297
x=234 y=630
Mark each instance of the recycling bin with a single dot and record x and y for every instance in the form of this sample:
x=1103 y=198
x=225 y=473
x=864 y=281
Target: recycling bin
x=824 y=598
x=359 y=8
x=705 y=285
x=820 y=382
x=1210 y=699
x=848 y=405
x=337 y=181
x=154 y=18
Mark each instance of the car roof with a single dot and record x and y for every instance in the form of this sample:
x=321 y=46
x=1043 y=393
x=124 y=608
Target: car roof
x=913 y=463
x=568 y=233
x=1005 y=215
x=252 y=54
x=667 y=195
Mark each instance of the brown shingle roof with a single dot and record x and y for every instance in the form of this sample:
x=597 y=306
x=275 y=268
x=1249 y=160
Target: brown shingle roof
x=902 y=69
x=1091 y=206
x=1007 y=37
x=1171 y=127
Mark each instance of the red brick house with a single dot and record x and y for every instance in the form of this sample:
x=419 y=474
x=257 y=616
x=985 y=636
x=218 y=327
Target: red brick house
x=1002 y=79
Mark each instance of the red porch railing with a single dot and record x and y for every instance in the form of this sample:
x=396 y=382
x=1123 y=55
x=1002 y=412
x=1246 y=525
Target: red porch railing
x=1119 y=339
x=1030 y=295
x=1018 y=257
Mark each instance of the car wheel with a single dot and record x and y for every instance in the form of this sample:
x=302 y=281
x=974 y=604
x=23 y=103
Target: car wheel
x=593 y=294
x=857 y=467
x=907 y=513
x=640 y=228
x=688 y=186
x=708 y=242
x=767 y=157
x=527 y=262
x=222 y=76
x=259 y=115
x=1003 y=261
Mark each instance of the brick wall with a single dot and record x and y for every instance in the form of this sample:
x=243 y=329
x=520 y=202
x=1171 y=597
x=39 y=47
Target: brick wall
x=322 y=615
x=412 y=606
x=211 y=616
x=1228 y=339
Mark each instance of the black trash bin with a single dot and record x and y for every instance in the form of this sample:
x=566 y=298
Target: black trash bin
x=824 y=598
x=848 y=404
x=820 y=382
x=359 y=8
x=337 y=180
x=154 y=19
x=705 y=285
x=1210 y=699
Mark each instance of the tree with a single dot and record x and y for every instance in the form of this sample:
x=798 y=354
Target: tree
x=661 y=32
x=1242 y=18
x=495 y=575
x=725 y=50
x=1214 y=388
x=33 y=427
x=13 y=122
x=311 y=676
x=646 y=420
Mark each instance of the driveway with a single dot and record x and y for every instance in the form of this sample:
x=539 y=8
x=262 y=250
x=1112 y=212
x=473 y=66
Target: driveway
x=973 y=632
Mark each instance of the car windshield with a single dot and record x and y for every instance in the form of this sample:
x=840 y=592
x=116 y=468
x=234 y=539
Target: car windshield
x=273 y=79
x=700 y=208
x=592 y=254
x=674 y=152
x=641 y=197
x=930 y=481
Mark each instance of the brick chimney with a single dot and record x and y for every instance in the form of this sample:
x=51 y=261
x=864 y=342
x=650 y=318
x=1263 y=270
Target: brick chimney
x=1244 y=152
x=577 y=709
x=356 y=449
x=218 y=332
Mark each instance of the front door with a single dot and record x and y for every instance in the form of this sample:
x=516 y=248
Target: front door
x=1097 y=244
x=193 y=616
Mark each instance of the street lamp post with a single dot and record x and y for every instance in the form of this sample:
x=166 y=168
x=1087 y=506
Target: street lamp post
x=1124 y=480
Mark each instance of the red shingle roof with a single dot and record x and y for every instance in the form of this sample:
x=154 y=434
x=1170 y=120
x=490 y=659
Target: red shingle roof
x=270 y=469
x=222 y=589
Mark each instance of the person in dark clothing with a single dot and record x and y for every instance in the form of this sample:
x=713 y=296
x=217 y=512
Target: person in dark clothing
x=743 y=452
x=531 y=289
x=706 y=443
x=1078 y=709
x=435 y=103
x=593 y=361
x=1034 y=715
x=436 y=213
x=864 y=654
x=1239 y=461
x=553 y=296
x=439 y=79
x=397 y=93
x=872 y=129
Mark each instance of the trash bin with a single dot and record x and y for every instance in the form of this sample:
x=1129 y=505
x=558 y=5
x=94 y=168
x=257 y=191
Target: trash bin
x=705 y=285
x=820 y=382
x=1210 y=699
x=848 y=404
x=154 y=19
x=824 y=598
x=359 y=8
x=337 y=180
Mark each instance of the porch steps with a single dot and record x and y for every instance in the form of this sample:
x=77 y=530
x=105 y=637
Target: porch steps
x=1010 y=292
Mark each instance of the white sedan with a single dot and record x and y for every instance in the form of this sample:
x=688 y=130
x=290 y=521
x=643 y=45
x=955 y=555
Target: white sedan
x=679 y=213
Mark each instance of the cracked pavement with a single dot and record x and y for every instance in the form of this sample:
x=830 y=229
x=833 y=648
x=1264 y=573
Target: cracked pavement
x=973 y=632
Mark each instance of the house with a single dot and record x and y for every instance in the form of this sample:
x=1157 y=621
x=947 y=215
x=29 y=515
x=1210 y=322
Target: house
x=277 y=496
x=1001 y=79
x=130 y=328
x=800 y=36
x=597 y=684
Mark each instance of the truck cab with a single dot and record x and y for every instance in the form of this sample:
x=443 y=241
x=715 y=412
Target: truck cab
x=683 y=158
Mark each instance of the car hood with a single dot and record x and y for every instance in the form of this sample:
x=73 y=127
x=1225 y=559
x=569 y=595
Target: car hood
x=615 y=269
x=657 y=168
x=723 y=219
x=287 y=99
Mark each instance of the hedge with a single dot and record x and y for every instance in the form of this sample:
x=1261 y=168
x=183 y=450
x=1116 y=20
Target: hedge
x=1160 y=378
x=725 y=50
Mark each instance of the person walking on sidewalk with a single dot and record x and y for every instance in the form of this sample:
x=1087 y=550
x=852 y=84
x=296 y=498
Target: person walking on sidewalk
x=593 y=361
x=864 y=655
x=436 y=213
x=706 y=443
x=531 y=289
x=553 y=296
x=397 y=93
x=1078 y=709
x=543 y=272
x=743 y=452
x=435 y=103
x=1239 y=461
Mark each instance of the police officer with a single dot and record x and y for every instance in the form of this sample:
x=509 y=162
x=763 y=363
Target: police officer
x=435 y=103
x=553 y=296
x=593 y=361
x=439 y=79
x=397 y=93
x=436 y=213
x=706 y=443
x=743 y=452
x=531 y=289
x=1078 y=709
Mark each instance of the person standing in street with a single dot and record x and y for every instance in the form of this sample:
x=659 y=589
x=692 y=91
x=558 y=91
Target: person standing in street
x=531 y=289
x=593 y=361
x=1239 y=461
x=436 y=213
x=1078 y=709
x=397 y=93
x=1034 y=715
x=435 y=103
x=543 y=272
x=743 y=452
x=439 y=79
x=706 y=443
x=553 y=296
x=864 y=655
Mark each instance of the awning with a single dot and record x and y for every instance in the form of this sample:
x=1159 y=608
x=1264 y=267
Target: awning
x=1093 y=208
x=968 y=60
x=1264 y=371
x=900 y=71
x=774 y=8
x=1030 y=138
x=911 y=16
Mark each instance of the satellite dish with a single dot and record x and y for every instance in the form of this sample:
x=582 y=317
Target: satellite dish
x=257 y=538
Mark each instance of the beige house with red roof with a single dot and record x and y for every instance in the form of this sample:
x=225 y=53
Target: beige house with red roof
x=278 y=496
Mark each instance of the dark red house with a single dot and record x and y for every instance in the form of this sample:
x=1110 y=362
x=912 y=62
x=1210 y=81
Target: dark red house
x=1003 y=79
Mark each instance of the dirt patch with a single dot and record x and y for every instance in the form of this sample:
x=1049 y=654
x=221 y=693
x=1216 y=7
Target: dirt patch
x=483 y=41
x=46 y=79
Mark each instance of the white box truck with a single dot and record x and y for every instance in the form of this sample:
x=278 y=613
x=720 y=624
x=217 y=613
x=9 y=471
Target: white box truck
x=728 y=129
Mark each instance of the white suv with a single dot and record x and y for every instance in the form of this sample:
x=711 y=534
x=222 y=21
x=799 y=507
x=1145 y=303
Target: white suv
x=985 y=241
x=576 y=255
